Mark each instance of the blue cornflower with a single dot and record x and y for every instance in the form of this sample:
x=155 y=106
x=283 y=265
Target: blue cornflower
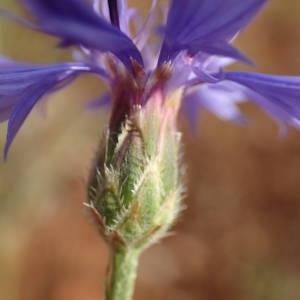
x=190 y=52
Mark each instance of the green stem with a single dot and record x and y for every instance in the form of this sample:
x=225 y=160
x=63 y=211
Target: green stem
x=123 y=274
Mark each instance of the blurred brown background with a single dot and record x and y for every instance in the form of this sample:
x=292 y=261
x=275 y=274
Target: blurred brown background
x=238 y=239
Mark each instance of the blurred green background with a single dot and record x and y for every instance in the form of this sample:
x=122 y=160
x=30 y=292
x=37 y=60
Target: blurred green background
x=238 y=239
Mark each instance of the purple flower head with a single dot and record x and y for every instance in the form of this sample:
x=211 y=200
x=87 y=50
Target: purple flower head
x=189 y=52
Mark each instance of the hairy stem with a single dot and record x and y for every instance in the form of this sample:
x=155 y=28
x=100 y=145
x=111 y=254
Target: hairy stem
x=123 y=274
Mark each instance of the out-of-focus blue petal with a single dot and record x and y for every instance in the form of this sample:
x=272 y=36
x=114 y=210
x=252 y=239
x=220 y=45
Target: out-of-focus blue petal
x=77 y=23
x=277 y=95
x=201 y=25
x=99 y=102
x=220 y=99
x=23 y=85
x=145 y=29
x=127 y=15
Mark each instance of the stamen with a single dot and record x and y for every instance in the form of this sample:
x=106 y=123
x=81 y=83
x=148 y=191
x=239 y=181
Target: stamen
x=114 y=13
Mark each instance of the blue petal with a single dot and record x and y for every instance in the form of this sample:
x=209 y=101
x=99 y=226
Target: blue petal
x=22 y=86
x=20 y=111
x=221 y=99
x=77 y=23
x=221 y=48
x=99 y=102
x=277 y=95
x=195 y=24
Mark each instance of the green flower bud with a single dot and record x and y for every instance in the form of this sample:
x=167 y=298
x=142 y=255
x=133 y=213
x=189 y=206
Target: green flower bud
x=136 y=190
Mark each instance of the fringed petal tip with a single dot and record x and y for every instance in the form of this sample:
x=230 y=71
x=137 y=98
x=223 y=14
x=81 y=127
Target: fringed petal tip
x=23 y=85
x=279 y=96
